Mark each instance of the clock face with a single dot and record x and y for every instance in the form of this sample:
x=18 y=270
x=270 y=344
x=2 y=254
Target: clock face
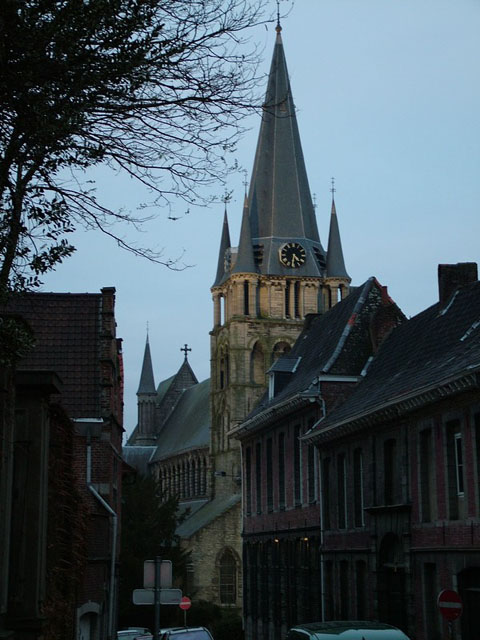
x=292 y=254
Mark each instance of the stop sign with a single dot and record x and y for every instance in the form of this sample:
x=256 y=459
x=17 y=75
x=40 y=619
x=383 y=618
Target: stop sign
x=185 y=603
x=450 y=604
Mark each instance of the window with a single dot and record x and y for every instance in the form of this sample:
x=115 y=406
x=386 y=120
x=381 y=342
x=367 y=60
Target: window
x=454 y=455
x=248 y=481
x=426 y=473
x=358 y=487
x=269 y=475
x=326 y=493
x=390 y=470
x=297 y=300
x=257 y=365
x=430 y=593
x=344 y=590
x=297 y=465
x=342 y=490
x=281 y=471
x=361 y=589
x=258 y=476
x=287 y=299
x=312 y=476
x=228 y=578
x=246 y=305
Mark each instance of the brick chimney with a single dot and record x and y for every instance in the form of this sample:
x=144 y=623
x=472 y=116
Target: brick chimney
x=453 y=276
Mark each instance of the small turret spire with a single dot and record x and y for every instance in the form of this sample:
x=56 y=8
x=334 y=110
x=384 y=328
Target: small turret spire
x=224 y=245
x=335 y=262
x=245 y=262
x=147 y=382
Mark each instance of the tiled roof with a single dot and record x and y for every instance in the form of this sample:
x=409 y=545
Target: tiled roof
x=67 y=332
x=431 y=350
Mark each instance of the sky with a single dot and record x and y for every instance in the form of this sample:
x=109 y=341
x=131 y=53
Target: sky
x=388 y=103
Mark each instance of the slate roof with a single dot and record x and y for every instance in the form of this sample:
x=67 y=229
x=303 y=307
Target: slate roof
x=316 y=347
x=439 y=349
x=67 y=332
x=335 y=261
x=207 y=514
x=147 y=382
x=138 y=457
x=188 y=426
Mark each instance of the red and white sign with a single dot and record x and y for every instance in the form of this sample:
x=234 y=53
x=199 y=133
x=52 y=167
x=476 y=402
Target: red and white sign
x=185 y=603
x=449 y=604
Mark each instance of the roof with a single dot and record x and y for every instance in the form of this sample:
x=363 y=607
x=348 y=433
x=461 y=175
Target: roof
x=335 y=262
x=138 y=457
x=67 y=329
x=188 y=426
x=432 y=351
x=147 y=382
x=207 y=514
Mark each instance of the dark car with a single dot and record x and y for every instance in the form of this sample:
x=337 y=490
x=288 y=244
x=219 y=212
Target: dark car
x=345 y=630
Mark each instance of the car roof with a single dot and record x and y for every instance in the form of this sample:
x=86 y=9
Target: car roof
x=348 y=627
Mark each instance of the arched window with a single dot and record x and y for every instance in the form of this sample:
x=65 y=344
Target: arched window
x=257 y=365
x=228 y=578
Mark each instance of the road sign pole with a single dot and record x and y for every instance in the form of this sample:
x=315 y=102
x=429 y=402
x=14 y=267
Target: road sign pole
x=158 y=562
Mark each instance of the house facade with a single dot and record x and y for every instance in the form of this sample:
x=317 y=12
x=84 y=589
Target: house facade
x=61 y=470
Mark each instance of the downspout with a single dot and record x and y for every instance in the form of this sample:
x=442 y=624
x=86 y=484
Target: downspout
x=114 y=533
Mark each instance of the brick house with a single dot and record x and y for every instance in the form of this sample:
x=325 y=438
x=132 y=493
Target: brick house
x=60 y=474
x=400 y=473
x=282 y=538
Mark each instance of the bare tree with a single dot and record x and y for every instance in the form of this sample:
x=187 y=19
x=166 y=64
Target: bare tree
x=155 y=88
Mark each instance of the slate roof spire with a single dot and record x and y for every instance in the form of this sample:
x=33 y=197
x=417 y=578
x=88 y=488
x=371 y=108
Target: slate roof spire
x=245 y=262
x=280 y=203
x=224 y=245
x=147 y=382
x=335 y=262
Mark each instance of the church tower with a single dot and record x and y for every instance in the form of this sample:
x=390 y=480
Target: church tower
x=146 y=401
x=277 y=275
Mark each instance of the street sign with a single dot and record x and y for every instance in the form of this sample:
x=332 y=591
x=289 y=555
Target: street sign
x=147 y=596
x=165 y=574
x=449 y=604
x=143 y=596
x=185 y=603
x=170 y=596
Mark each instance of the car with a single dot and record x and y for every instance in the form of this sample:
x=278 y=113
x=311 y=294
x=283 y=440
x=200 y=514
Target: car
x=185 y=633
x=134 y=633
x=345 y=630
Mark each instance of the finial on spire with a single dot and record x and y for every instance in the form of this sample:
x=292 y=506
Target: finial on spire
x=278 y=28
x=147 y=330
x=245 y=181
x=185 y=349
x=314 y=198
x=332 y=188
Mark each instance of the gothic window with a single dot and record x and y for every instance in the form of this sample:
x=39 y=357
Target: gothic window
x=228 y=578
x=287 y=299
x=246 y=305
x=257 y=365
x=427 y=476
x=296 y=304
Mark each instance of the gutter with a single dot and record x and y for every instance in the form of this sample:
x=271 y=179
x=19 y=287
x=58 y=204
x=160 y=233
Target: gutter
x=114 y=518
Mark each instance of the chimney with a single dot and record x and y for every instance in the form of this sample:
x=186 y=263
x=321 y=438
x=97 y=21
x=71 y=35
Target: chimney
x=453 y=276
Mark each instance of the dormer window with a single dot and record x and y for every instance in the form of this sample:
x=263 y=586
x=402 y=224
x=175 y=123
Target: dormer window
x=280 y=374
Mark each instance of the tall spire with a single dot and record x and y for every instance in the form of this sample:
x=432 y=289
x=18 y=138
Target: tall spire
x=224 y=245
x=280 y=203
x=335 y=262
x=147 y=383
x=245 y=262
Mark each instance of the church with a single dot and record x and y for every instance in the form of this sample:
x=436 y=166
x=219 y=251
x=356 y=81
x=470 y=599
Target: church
x=264 y=290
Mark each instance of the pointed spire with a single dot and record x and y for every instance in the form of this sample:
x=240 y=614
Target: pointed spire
x=335 y=262
x=147 y=383
x=224 y=245
x=281 y=207
x=245 y=262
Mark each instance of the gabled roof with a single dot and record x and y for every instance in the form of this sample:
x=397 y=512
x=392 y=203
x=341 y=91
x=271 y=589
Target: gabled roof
x=337 y=343
x=67 y=329
x=188 y=426
x=432 y=355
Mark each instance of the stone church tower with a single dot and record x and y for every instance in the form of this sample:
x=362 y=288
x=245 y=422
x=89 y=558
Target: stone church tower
x=277 y=275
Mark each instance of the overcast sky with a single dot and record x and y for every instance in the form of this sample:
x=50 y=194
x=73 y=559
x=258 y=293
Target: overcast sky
x=388 y=101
